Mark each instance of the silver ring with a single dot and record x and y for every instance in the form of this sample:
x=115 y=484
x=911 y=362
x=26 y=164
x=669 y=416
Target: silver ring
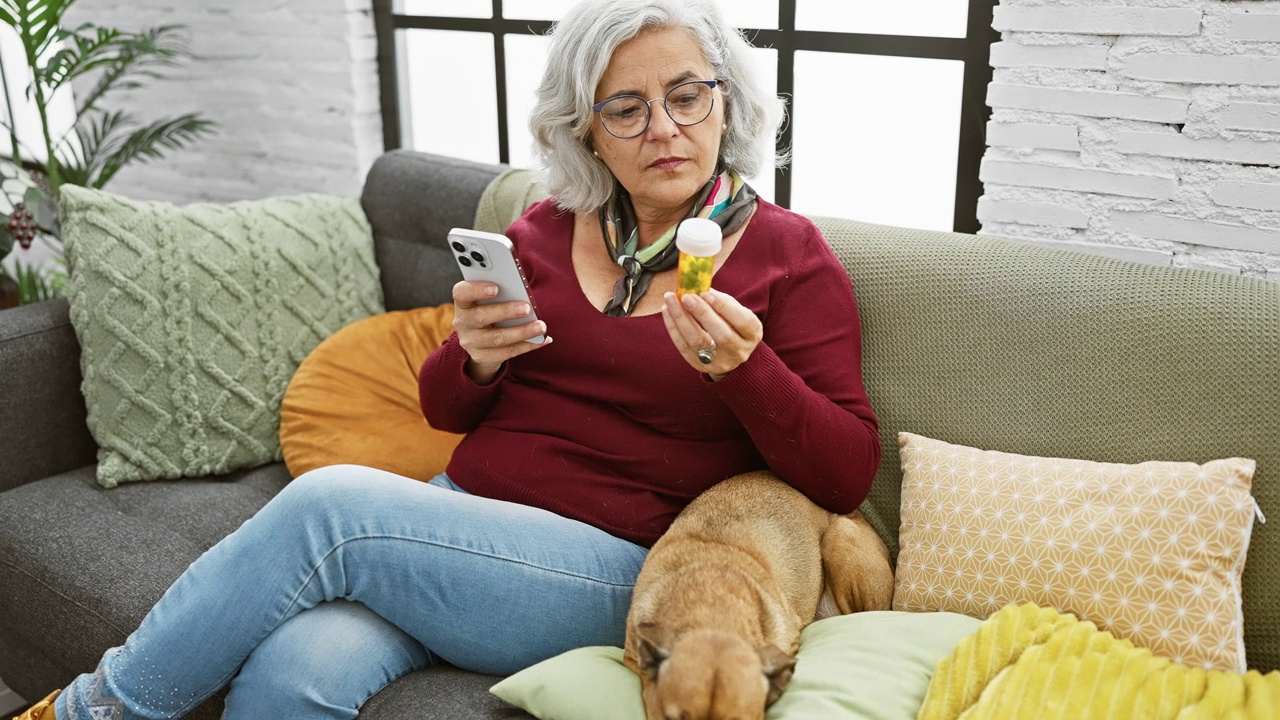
x=706 y=355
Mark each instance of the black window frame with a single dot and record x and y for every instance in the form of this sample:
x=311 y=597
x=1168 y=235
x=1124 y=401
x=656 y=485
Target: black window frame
x=974 y=51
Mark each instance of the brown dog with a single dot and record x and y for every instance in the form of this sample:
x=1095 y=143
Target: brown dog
x=718 y=606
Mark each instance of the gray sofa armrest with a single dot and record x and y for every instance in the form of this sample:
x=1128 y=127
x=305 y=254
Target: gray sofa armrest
x=42 y=411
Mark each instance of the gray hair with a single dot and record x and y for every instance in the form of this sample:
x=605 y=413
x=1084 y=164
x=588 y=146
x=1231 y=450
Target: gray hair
x=583 y=43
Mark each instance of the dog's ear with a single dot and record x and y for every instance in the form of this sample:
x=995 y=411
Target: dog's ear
x=651 y=644
x=778 y=667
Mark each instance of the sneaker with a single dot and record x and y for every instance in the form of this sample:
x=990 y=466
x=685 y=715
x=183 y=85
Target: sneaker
x=42 y=710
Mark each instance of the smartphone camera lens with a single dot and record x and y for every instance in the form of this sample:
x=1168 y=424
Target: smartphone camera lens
x=458 y=247
x=477 y=256
x=466 y=261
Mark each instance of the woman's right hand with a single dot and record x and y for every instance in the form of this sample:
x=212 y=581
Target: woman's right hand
x=487 y=345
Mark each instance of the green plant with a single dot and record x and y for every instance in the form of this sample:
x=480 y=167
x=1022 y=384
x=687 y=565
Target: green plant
x=101 y=141
x=35 y=285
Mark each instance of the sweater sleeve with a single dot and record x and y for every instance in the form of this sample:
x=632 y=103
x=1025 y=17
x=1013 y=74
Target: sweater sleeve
x=450 y=399
x=800 y=395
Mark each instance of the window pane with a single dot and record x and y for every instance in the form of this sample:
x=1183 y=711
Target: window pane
x=446 y=8
x=536 y=9
x=866 y=150
x=925 y=18
x=453 y=97
x=526 y=58
x=751 y=13
x=739 y=13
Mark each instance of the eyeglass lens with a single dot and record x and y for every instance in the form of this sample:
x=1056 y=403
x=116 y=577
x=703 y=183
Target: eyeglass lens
x=687 y=104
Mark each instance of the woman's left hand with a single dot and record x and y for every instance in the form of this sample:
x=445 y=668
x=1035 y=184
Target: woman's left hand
x=714 y=322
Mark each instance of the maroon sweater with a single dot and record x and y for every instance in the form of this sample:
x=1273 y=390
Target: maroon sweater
x=610 y=426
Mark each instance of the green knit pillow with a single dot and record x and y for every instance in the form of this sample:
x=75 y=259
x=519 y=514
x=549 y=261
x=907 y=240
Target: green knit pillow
x=192 y=320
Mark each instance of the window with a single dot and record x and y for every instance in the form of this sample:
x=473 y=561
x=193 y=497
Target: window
x=886 y=101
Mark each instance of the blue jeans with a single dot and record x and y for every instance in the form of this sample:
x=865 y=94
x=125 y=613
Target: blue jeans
x=352 y=577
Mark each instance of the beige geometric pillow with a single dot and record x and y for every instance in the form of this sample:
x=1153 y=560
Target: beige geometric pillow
x=1152 y=552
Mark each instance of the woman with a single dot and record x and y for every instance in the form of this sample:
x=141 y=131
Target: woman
x=579 y=452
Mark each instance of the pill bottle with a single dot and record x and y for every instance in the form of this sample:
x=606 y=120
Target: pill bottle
x=698 y=241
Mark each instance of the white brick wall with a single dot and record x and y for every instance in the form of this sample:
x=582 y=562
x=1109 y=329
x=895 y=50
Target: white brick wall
x=1150 y=133
x=292 y=84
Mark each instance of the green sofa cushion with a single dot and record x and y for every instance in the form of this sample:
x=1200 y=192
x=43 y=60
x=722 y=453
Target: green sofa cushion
x=192 y=320
x=865 y=666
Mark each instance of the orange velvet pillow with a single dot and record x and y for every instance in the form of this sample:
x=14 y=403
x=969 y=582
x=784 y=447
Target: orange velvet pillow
x=354 y=399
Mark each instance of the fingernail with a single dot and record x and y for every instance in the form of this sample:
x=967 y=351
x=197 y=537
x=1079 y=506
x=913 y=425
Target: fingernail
x=547 y=340
x=542 y=328
x=710 y=296
x=491 y=290
x=524 y=309
x=689 y=302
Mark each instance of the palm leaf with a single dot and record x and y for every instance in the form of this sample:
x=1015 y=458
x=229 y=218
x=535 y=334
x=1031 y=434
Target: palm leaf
x=85 y=50
x=138 y=55
x=81 y=161
x=150 y=142
x=36 y=21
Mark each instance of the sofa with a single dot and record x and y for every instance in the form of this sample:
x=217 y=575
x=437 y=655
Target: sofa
x=979 y=340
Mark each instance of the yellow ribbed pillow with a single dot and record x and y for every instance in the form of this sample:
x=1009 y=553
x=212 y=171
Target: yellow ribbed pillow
x=1152 y=552
x=354 y=399
x=1032 y=663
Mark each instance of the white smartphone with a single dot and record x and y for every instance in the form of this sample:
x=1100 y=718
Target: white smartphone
x=490 y=257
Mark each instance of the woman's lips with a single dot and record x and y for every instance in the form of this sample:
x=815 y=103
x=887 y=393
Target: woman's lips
x=668 y=163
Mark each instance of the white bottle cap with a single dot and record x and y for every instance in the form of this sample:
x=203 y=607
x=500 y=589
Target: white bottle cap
x=699 y=237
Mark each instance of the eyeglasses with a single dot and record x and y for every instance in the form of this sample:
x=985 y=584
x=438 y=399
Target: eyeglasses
x=628 y=116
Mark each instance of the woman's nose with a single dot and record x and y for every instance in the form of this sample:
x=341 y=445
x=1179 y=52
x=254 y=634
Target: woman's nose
x=660 y=123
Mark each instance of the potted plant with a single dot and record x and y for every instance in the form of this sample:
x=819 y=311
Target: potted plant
x=101 y=141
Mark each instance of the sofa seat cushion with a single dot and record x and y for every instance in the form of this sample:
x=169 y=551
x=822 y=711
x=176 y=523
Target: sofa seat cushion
x=99 y=559
x=442 y=691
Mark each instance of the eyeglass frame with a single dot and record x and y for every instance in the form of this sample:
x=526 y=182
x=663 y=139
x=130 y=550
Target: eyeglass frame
x=648 y=104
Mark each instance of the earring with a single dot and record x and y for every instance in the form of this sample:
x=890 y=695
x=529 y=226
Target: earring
x=593 y=152
x=724 y=126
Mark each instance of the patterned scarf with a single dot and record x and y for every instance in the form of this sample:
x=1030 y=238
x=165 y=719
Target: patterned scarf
x=726 y=198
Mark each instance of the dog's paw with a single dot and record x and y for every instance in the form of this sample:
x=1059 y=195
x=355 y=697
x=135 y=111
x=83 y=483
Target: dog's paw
x=855 y=565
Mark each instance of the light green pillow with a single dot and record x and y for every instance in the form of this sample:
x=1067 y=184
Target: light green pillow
x=868 y=666
x=192 y=320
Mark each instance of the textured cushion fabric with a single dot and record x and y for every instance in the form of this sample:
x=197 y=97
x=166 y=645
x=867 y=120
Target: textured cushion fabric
x=192 y=320
x=1032 y=663
x=355 y=398
x=1152 y=552
x=992 y=343
x=865 y=666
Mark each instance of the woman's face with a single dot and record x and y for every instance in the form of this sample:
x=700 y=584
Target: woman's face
x=664 y=167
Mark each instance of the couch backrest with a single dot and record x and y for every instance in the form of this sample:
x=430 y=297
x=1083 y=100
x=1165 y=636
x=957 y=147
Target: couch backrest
x=412 y=200
x=1009 y=346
